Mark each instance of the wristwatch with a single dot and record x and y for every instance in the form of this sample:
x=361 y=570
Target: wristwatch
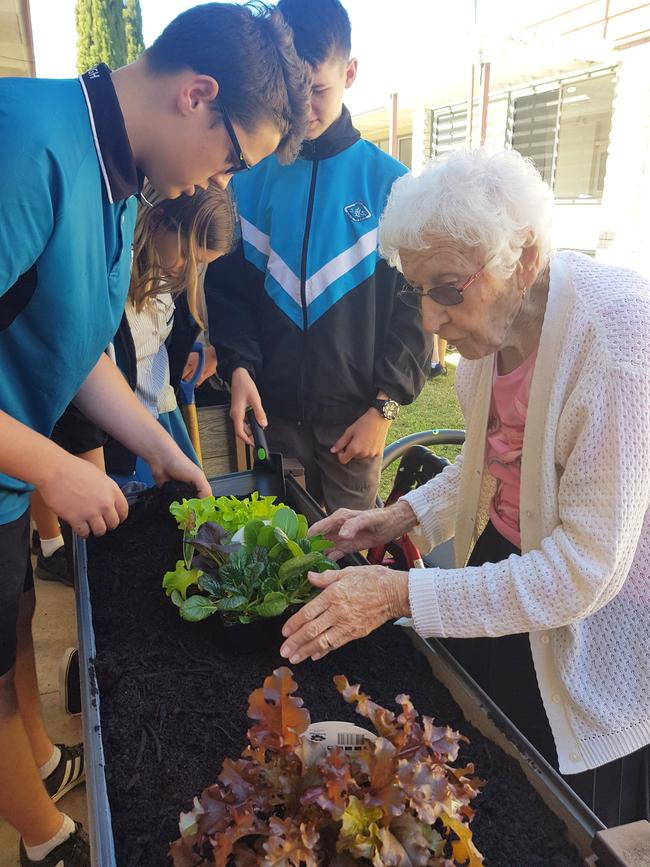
x=388 y=409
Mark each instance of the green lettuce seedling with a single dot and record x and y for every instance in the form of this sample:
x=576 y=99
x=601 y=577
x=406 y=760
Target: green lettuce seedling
x=257 y=572
x=177 y=583
x=233 y=513
x=230 y=513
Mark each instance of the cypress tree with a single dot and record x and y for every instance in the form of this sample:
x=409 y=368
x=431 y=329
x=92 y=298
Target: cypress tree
x=100 y=33
x=83 y=22
x=133 y=30
x=117 y=44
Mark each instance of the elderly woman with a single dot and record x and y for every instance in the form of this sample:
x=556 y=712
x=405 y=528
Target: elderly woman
x=549 y=604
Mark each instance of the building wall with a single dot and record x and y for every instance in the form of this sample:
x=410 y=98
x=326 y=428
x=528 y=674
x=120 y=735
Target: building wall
x=578 y=226
x=625 y=221
x=621 y=22
x=612 y=227
x=421 y=138
x=617 y=227
x=613 y=222
x=16 y=45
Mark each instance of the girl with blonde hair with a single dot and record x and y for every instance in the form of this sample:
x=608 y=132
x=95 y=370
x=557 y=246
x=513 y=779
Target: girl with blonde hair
x=175 y=240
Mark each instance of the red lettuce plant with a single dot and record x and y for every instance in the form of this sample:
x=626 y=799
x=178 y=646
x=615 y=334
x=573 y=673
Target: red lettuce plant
x=396 y=801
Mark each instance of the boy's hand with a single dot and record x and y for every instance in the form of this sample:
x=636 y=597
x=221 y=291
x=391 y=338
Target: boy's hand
x=83 y=495
x=364 y=438
x=106 y=399
x=172 y=463
x=244 y=393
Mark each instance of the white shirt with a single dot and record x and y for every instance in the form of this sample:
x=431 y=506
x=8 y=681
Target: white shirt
x=150 y=329
x=581 y=587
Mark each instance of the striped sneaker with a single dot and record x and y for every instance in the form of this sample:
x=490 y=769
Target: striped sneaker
x=68 y=773
x=73 y=852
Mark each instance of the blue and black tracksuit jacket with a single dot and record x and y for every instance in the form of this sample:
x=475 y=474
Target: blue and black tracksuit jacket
x=304 y=301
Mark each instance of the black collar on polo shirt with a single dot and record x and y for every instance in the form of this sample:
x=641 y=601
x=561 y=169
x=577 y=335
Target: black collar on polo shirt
x=122 y=178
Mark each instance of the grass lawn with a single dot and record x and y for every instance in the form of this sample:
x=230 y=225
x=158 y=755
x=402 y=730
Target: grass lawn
x=435 y=408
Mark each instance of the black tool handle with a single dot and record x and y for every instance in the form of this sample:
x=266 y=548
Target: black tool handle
x=261 y=448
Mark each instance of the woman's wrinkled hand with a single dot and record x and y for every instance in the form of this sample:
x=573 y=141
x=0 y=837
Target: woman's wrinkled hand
x=354 y=602
x=351 y=531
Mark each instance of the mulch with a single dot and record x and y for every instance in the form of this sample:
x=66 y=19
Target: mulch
x=173 y=705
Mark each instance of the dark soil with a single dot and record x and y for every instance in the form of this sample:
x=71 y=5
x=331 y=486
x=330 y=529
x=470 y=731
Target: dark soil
x=173 y=706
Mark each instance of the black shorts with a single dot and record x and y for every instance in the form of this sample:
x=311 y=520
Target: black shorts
x=77 y=434
x=16 y=578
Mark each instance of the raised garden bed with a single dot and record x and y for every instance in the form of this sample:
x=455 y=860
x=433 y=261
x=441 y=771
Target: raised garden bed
x=172 y=706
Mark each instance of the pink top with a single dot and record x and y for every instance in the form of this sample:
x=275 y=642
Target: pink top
x=505 y=439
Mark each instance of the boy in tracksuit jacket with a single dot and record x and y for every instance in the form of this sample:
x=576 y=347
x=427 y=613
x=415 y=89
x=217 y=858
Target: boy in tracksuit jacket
x=304 y=313
x=220 y=89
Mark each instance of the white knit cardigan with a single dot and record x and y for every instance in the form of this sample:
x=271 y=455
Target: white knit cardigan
x=581 y=587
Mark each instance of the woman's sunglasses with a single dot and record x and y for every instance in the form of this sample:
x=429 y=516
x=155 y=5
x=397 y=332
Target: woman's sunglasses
x=447 y=295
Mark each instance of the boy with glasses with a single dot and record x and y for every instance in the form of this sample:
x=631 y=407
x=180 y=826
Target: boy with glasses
x=73 y=157
x=304 y=315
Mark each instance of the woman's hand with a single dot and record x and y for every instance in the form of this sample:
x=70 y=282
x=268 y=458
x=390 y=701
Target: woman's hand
x=355 y=531
x=355 y=601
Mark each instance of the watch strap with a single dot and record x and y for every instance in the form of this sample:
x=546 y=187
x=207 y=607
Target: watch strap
x=379 y=404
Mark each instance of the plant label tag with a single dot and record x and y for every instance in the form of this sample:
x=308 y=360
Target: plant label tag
x=325 y=736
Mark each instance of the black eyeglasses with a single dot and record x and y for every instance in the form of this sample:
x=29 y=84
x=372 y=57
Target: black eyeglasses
x=447 y=295
x=243 y=165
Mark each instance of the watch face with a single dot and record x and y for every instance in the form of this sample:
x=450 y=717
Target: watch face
x=391 y=409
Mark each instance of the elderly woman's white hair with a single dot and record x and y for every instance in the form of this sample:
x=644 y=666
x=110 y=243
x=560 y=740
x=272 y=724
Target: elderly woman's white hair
x=494 y=200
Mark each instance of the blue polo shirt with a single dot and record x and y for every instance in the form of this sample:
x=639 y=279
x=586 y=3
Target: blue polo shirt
x=67 y=214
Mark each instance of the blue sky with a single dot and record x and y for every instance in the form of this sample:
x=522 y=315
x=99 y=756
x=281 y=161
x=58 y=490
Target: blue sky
x=386 y=36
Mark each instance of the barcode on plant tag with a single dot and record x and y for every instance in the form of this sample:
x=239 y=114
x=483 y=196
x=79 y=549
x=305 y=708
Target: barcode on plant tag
x=350 y=741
